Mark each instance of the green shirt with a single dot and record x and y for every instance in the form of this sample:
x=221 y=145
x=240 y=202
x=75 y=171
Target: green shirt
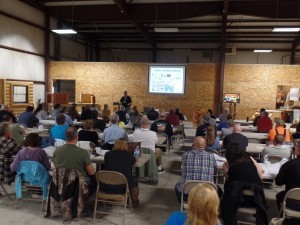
x=72 y=157
x=17 y=133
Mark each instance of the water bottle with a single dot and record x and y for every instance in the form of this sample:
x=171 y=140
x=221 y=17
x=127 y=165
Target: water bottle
x=266 y=159
x=136 y=153
x=139 y=151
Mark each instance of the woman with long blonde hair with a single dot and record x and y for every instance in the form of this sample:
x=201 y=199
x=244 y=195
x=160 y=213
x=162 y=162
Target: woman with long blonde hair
x=212 y=140
x=203 y=205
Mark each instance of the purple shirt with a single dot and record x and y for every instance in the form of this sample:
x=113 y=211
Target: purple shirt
x=31 y=154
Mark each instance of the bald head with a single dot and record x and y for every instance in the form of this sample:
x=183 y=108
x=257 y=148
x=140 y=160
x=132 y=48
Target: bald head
x=145 y=122
x=237 y=128
x=199 y=143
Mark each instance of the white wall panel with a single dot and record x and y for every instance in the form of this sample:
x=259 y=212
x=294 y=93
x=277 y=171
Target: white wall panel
x=38 y=93
x=18 y=35
x=21 y=66
x=22 y=10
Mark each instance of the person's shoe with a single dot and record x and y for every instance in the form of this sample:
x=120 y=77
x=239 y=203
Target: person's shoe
x=161 y=171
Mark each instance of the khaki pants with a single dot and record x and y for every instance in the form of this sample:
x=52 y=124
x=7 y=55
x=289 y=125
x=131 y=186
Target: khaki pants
x=158 y=154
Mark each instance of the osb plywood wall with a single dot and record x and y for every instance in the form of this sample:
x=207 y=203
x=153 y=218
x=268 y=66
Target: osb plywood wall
x=2 y=91
x=257 y=84
x=107 y=81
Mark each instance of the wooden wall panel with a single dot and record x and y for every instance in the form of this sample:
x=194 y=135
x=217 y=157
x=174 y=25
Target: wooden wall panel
x=257 y=84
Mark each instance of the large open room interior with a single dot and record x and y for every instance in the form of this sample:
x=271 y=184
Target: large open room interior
x=142 y=102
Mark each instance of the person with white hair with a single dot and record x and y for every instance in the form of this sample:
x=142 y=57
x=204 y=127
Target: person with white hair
x=5 y=111
x=279 y=129
x=223 y=116
x=236 y=137
x=113 y=132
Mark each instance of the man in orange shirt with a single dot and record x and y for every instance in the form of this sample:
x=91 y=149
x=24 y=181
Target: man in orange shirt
x=279 y=129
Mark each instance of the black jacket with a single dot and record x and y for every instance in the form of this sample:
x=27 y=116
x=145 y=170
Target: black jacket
x=233 y=198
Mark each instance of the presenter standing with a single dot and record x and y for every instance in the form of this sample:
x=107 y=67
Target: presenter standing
x=126 y=101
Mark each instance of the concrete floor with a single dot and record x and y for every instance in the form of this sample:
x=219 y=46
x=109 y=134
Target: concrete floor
x=156 y=202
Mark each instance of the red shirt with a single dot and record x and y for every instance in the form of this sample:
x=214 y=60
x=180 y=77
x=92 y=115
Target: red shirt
x=264 y=125
x=173 y=119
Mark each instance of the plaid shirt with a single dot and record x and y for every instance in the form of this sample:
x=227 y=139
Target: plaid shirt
x=197 y=165
x=8 y=147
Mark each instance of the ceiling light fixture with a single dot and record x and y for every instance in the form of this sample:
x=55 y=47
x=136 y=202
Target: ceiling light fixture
x=64 y=31
x=263 y=50
x=166 y=29
x=286 y=29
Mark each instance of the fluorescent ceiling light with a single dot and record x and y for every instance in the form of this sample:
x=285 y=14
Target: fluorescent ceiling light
x=263 y=50
x=166 y=29
x=286 y=29
x=64 y=31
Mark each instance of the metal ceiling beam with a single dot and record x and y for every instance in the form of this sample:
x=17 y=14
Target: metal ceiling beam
x=123 y=6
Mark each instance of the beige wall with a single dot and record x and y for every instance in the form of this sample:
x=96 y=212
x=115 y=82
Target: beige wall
x=257 y=84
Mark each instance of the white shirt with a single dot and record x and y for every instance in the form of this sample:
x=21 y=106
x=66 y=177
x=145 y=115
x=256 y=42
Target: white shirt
x=147 y=138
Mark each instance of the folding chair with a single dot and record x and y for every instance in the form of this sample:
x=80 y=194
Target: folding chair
x=5 y=191
x=59 y=142
x=163 y=141
x=247 y=210
x=274 y=158
x=294 y=195
x=179 y=135
x=186 y=189
x=87 y=145
x=112 y=178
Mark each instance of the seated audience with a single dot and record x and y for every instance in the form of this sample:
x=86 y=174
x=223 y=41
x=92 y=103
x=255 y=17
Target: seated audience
x=264 y=124
x=236 y=137
x=279 y=129
x=9 y=147
x=212 y=141
x=134 y=112
x=197 y=117
x=31 y=151
x=55 y=111
x=224 y=123
x=240 y=167
x=88 y=134
x=148 y=139
x=5 y=110
x=258 y=117
x=152 y=114
x=163 y=126
x=68 y=119
x=203 y=204
x=86 y=113
x=120 y=160
x=212 y=121
x=123 y=115
x=59 y=130
x=137 y=123
x=106 y=113
x=197 y=164
x=201 y=130
x=211 y=114
x=278 y=149
x=27 y=118
x=289 y=175
x=113 y=132
x=16 y=129
x=179 y=114
x=70 y=156
x=73 y=113
x=223 y=116
x=98 y=124
x=172 y=118
x=40 y=113
x=227 y=130
x=296 y=135
x=95 y=108
x=242 y=172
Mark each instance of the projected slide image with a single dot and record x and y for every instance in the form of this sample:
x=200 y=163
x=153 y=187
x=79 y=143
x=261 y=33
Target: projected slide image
x=167 y=79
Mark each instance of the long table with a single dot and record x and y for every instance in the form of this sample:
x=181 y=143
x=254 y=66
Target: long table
x=53 y=122
x=35 y=130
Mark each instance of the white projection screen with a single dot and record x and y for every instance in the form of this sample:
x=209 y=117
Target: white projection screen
x=166 y=79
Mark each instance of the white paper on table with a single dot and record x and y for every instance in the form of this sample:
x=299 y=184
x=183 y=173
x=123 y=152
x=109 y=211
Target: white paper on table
x=218 y=158
x=50 y=150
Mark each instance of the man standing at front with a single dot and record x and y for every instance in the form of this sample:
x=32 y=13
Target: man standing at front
x=126 y=101
x=72 y=157
x=148 y=139
x=197 y=164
